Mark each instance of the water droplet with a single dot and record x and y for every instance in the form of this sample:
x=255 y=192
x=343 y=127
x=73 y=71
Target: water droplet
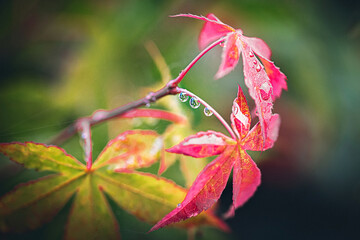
x=194 y=103
x=265 y=96
x=147 y=104
x=83 y=135
x=265 y=91
x=207 y=112
x=258 y=68
x=251 y=54
x=183 y=97
x=179 y=205
x=255 y=62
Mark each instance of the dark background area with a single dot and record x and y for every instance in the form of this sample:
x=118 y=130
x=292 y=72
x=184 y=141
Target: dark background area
x=60 y=60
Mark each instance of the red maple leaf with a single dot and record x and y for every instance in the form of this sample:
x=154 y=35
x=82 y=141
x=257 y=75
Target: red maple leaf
x=212 y=180
x=264 y=80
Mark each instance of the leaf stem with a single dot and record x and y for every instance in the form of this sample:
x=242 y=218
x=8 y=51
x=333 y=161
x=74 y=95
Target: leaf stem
x=216 y=114
x=182 y=74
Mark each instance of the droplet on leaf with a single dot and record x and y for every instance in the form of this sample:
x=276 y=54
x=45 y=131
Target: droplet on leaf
x=147 y=104
x=207 y=112
x=258 y=68
x=183 y=97
x=265 y=91
x=255 y=62
x=194 y=103
x=251 y=54
x=179 y=205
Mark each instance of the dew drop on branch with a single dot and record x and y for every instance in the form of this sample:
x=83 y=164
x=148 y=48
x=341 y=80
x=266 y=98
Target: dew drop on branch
x=207 y=112
x=194 y=103
x=183 y=97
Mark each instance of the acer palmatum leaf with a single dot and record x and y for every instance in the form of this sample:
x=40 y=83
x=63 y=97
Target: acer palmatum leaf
x=203 y=144
x=205 y=191
x=210 y=183
x=264 y=80
x=35 y=203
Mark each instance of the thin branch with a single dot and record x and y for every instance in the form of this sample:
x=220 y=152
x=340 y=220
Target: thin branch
x=104 y=115
x=216 y=114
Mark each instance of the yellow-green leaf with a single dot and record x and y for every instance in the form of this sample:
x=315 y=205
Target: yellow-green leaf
x=91 y=216
x=41 y=157
x=150 y=197
x=146 y=196
x=130 y=150
x=32 y=204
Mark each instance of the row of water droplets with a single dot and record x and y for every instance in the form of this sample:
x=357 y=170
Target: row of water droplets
x=265 y=92
x=258 y=67
x=194 y=103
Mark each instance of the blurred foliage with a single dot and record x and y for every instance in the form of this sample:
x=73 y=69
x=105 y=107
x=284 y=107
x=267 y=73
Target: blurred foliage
x=60 y=60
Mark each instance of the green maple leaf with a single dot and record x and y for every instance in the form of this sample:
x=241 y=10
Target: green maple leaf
x=146 y=196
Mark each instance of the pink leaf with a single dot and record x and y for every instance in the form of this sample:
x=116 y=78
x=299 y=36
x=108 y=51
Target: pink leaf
x=277 y=78
x=240 y=116
x=259 y=85
x=230 y=55
x=203 y=144
x=246 y=179
x=155 y=113
x=213 y=28
x=205 y=191
x=258 y=46
x=212 y=31
x=254 y=140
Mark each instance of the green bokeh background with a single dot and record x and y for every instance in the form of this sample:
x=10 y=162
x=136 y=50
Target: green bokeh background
x=60 y=60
